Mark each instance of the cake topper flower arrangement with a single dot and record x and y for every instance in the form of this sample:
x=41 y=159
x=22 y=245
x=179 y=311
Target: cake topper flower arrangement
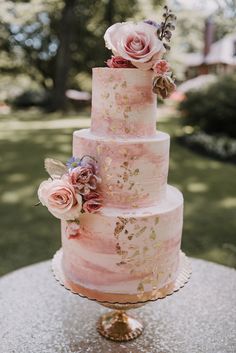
x=71 y=190
x=142 y=45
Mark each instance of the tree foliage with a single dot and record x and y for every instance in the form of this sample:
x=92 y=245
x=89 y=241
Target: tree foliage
x=32 y=34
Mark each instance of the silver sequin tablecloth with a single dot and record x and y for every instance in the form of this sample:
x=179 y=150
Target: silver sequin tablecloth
x=37 y=315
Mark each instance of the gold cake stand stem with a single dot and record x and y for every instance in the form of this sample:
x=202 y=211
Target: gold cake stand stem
x=119 y=326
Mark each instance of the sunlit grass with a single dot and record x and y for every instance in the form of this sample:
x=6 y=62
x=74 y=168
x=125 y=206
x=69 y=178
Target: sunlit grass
x=30 y=234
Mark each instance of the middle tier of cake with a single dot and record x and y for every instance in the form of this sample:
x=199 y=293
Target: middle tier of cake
x=133 y=171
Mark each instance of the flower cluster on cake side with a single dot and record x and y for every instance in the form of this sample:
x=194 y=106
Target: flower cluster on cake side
x=71 y=190
x=142 y=45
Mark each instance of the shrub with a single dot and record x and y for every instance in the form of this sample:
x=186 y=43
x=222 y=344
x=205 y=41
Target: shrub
x=212 y=109
x=32 y=98
x=219 y=147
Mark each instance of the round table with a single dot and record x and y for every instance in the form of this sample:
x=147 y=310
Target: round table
x=37 y=315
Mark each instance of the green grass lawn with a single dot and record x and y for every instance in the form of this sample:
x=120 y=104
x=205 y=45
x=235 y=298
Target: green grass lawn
x=30 y=234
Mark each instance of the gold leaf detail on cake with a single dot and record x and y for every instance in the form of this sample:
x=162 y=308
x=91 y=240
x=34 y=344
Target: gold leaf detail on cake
x=153 y=235
x=118 y=248
x=127 y=130
x=131 y=185
x=136 y=253
x=111 y=78
x=123 y=151
x=130 y=237
x=105 y=95
x=124 y=254
x=156 y=220
x=154 y=282
x=98 y=149
x=147 y=280
x=136 y=172
x=125 y=176
x=118 y=229
x=141 y=231
x=121 y=263
x=115 y=86
x=124 y=84
x=123 y=220
x=108 y=160
x=156 y=245
x=127 y=109
x=132 y=220
x=140 y=287
x=55 y=168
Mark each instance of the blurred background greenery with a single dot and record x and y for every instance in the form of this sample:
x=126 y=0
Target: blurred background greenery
x=47 y=51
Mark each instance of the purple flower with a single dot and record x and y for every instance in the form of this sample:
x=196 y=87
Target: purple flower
x=73 y=162
x=152 y=23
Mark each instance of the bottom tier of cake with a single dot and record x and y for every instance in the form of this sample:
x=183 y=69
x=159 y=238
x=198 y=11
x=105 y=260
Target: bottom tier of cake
x=126 y=251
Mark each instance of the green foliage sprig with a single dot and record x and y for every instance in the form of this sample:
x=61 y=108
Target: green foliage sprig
x=167 y=26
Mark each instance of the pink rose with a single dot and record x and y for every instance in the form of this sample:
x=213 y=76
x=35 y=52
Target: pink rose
x=72 y=230
x=161 y=67
x=118 y=62
x=92 y=195
x=92 y=205
x=136 y=42
x=59 y=196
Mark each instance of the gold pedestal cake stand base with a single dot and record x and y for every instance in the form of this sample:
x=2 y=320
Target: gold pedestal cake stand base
x=118 y=325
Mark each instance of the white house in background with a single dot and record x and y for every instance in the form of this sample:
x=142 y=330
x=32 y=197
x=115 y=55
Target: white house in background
x=217 y=58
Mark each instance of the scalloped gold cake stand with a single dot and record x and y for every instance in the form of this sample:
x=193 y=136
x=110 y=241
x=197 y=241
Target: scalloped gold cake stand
x=118 y=325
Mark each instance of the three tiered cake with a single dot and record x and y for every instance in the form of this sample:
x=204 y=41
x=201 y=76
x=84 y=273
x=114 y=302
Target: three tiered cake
x=121 y=221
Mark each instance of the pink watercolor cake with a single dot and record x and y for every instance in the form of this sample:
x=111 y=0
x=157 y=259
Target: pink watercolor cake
x=133 y=243
x=121 y=221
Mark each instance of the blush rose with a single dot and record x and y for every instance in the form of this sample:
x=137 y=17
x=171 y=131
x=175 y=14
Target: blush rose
x=92 y=206
x=59 y=196
x=93 y=202
x=136 y=42
x=161 y=67
x=118 y=62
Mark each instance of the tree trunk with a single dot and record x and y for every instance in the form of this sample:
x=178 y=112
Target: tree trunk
x=109 y=13
x=63 y=60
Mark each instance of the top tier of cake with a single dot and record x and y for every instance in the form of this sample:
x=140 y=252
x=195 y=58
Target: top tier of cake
x=123 y=104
